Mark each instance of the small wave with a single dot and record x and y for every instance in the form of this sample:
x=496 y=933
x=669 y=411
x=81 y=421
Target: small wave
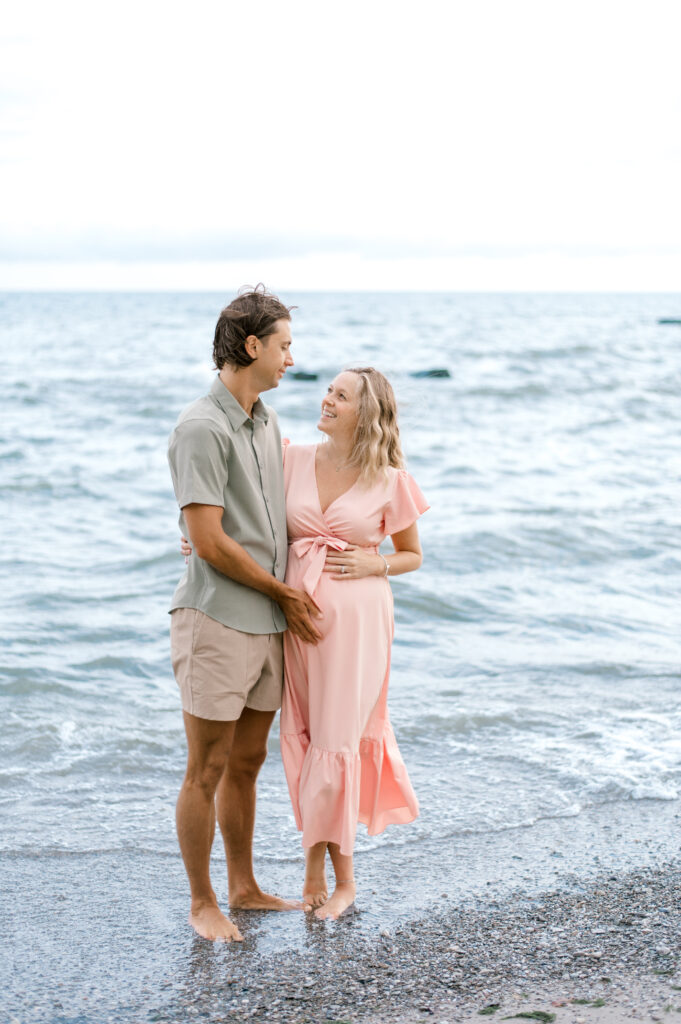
x=522 y=391
x=612 y=670
x=110 y=662
x=21 y=683
x=612 y=789
x=56 y=852
x=560 y=352
x=428 y=605
x=655 y=791
x=464 y=723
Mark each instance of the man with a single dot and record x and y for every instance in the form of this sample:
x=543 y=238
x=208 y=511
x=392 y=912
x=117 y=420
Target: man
x=231 y=607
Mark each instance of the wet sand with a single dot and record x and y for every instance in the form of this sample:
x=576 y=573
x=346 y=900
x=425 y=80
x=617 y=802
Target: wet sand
x=576 y=912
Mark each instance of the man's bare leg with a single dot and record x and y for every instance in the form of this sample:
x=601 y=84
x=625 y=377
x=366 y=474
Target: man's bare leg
x=208 y=745
x=236 y=812
x=344 y=893
x=315 y=888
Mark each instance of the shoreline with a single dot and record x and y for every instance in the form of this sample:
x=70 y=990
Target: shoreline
x=605 y=954
x=107 y=939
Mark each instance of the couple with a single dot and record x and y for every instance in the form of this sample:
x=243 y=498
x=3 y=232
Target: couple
x=284 y=578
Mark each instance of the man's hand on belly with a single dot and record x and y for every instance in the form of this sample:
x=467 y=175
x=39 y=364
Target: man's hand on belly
x=300 y=610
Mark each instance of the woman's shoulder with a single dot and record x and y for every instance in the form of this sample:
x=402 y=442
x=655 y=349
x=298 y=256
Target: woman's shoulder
x=295 y=449
x=294 y=453
x=398 y=477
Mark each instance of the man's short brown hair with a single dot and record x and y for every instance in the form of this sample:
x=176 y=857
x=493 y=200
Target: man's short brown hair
x=254 y=311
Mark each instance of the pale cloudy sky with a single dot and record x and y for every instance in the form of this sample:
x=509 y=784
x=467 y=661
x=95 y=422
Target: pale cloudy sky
x=480 y=145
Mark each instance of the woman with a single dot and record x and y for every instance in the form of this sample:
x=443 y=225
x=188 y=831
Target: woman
x=341 y=760
x=340 y=756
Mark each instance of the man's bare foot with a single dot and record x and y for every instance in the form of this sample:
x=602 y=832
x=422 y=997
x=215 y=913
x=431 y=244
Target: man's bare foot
x=210 y=923
x=255 y=899
x=343 y=897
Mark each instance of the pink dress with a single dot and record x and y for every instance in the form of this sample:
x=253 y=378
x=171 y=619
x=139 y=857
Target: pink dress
x=340 y=755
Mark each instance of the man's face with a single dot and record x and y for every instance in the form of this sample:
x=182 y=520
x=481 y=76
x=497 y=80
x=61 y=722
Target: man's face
x=274 y=356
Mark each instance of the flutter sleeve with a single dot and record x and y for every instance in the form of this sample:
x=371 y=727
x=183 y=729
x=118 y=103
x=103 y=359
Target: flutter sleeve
x=406 y=504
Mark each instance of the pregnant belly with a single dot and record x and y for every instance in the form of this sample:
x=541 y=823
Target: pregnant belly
x=346 y=603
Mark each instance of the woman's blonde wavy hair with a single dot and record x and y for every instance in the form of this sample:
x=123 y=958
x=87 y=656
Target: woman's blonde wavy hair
x=376 y=443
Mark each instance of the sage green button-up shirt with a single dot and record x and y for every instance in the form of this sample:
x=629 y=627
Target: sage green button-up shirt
x=220 y=456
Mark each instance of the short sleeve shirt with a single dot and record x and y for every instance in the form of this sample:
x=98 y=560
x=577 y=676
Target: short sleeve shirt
x=219 y=455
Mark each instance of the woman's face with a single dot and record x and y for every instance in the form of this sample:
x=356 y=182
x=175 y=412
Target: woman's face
x=340 y=407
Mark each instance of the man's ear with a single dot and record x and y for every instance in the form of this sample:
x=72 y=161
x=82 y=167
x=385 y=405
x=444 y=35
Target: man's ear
x=251 y=346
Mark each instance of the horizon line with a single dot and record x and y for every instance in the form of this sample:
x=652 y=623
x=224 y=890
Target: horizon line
x=188 y=290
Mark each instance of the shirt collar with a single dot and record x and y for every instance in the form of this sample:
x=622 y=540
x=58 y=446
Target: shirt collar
x=234 y=412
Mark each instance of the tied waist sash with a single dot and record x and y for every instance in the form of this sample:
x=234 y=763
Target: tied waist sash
x=315 y=548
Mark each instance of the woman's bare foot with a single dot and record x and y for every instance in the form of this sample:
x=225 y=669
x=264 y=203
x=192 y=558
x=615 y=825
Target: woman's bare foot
x=315 y=893
x=256 y=899
x=209 y=922
x=343 y=897
x=315 y=887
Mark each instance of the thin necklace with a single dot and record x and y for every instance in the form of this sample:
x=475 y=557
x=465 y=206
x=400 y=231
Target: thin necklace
x=337 y=468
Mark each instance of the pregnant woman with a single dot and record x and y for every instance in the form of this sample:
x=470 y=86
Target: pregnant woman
x=343 y=497
x=340 y=756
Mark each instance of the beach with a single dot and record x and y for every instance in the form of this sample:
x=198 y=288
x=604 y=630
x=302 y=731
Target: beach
x=106 y=938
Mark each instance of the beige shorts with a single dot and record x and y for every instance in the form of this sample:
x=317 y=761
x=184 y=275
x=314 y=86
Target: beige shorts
x=221 y=670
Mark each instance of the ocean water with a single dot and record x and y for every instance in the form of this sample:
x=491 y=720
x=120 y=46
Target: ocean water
x=536 y=661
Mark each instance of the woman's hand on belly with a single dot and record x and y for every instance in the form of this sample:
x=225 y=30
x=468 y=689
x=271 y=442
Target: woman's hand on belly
x=353 y=563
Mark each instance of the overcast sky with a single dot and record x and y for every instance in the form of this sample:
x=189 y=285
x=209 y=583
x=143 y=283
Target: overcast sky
x=485 y=144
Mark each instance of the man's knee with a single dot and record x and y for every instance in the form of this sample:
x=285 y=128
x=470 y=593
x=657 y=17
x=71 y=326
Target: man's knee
x=246 y=763
x=207 y=772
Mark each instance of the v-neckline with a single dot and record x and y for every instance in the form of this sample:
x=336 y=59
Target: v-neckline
x=316 y=485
